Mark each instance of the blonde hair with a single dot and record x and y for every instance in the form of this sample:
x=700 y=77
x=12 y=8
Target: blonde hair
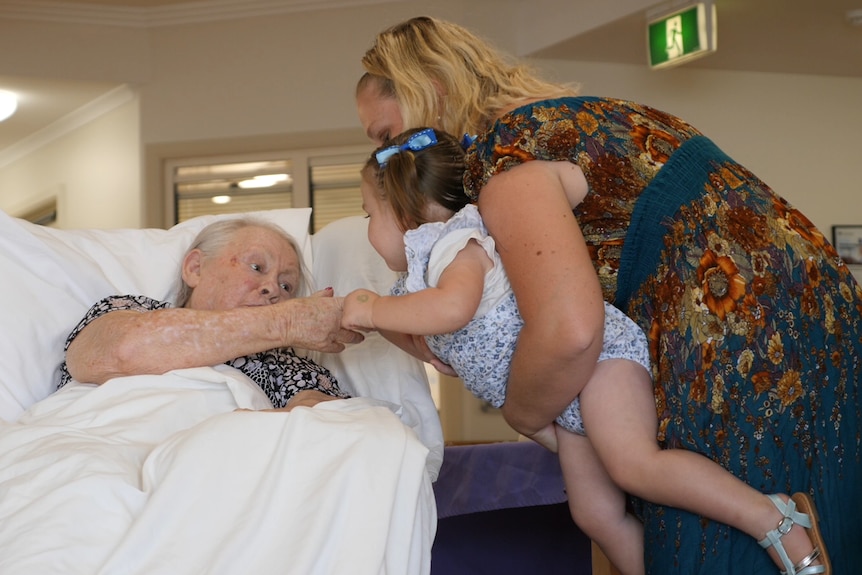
x=416 y=184
x=445 y=76
x=215 y=236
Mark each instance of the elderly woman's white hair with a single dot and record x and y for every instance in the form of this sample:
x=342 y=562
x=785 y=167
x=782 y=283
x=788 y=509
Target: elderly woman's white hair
x=215 y=236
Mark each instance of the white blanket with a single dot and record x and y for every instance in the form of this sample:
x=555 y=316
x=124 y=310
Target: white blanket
x=160 y=475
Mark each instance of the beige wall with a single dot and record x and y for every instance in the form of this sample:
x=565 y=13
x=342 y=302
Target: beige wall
x=286 y=81
x=94 y=172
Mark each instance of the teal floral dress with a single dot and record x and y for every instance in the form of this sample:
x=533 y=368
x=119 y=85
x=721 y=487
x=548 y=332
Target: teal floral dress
x=754 y=323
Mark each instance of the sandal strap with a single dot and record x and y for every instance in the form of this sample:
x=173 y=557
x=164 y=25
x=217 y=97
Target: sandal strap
x=802 y=568
x=773 y=538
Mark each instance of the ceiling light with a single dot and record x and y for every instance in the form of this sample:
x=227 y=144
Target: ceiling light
x=8 y=104
x=220 y=199
x=266 y=181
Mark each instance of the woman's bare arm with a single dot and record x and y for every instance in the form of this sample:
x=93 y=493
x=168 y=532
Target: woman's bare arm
x=416 y=346
x=405 y=341
x=127 y=342
x=528 y=211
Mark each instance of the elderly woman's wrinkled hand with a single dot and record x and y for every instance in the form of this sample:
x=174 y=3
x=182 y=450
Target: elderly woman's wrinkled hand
x=304 y=398
x=314 y=323
x=307 y=398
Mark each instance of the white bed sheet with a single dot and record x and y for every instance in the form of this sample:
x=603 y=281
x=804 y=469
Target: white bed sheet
x=160 y=475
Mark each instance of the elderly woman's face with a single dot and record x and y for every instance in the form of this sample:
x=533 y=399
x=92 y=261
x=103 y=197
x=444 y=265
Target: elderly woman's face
x=379 y=115
x=257 y=267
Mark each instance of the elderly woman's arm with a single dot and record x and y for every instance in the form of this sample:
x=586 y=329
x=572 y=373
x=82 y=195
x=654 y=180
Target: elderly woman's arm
x=127 y=342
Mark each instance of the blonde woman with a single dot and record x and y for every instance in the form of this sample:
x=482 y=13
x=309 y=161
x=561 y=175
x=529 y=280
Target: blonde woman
x=753 y=321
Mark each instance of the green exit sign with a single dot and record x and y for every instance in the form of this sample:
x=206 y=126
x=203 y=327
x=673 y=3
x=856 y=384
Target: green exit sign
x=682 y=35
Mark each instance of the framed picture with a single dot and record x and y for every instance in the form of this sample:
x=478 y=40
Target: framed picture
x=848 y=241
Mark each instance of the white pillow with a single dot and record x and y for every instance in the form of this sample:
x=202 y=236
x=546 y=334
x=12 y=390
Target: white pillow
x=345 y=260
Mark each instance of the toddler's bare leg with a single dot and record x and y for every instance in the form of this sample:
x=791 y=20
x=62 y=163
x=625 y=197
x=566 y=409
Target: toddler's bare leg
x=618 y=408
x=598 y=506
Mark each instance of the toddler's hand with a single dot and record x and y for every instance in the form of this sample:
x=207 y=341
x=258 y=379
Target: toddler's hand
x=314 y=323
x=357 y=310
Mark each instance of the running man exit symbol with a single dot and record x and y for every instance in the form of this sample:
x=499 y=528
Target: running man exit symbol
x=674 y=37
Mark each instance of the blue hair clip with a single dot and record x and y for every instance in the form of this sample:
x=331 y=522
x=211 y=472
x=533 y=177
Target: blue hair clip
x=467 y=141
x=418 y=141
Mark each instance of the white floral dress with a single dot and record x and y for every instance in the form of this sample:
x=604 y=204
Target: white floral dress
x=481 y=351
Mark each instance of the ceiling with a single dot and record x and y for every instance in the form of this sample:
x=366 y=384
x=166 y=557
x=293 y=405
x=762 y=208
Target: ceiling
x=770 y=36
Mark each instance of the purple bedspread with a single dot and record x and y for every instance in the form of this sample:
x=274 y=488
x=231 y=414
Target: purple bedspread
x=491 y=476
x=503 y=511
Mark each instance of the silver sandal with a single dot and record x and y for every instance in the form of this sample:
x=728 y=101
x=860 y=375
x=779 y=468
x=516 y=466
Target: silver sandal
x=809 y=522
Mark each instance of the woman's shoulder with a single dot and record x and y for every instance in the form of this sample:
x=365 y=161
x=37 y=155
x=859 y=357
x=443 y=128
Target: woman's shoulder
x=435 y=244
x=131 y=301
x=571 y=102
x=421 y=241
x=123 y=302
x=114 y=303
x=538 y=130
x=543 y=110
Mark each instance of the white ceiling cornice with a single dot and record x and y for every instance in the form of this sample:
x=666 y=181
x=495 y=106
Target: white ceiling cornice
x=174 y=14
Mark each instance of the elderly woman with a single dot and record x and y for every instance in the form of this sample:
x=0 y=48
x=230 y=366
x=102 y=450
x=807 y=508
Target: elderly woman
x=237 y=305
